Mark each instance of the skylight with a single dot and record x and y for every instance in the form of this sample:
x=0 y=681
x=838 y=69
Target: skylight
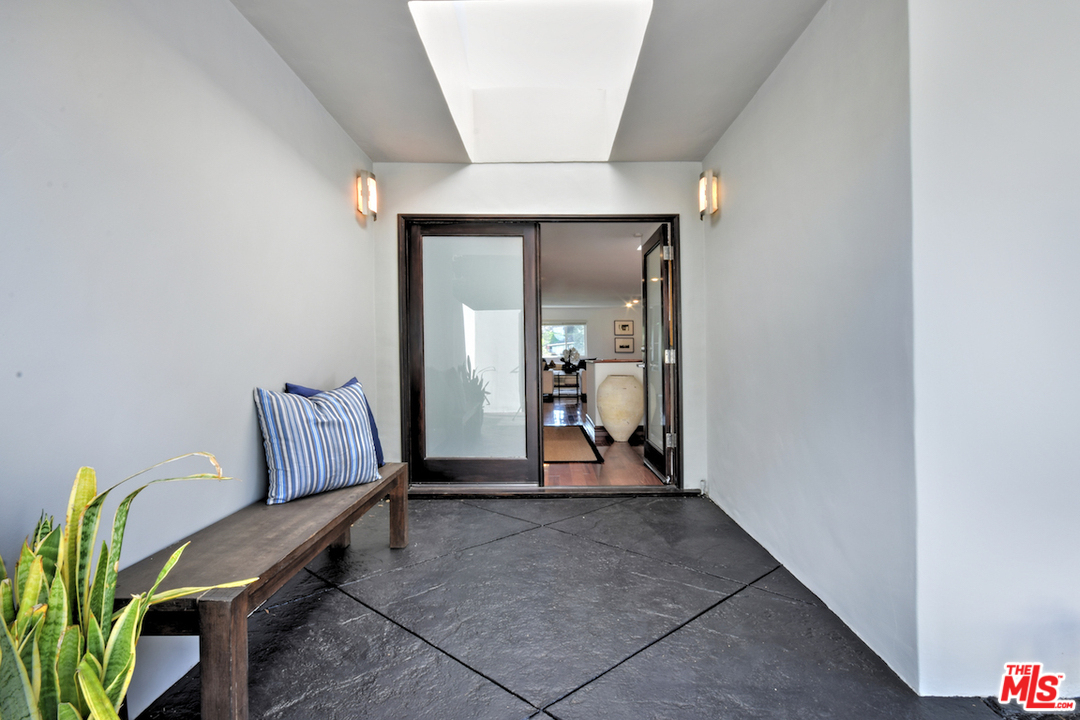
x=534 y=80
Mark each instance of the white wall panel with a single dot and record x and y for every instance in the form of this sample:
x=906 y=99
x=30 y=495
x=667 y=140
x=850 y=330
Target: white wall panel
x=995 y=105
x=178 y=228
x=810 y=396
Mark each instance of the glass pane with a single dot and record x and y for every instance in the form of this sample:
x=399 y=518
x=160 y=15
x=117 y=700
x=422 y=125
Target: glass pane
x=474 y=347
x=654 y=353
x=558 y=338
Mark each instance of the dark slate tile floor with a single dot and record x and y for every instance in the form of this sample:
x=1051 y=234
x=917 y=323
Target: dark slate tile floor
x=559 y=609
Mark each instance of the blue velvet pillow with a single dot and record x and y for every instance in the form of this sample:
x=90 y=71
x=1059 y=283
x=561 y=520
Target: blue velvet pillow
x=316 y=444
x=311 y=392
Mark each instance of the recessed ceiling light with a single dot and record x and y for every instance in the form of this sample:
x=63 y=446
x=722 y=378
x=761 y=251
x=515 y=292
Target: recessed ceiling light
x=534 y=80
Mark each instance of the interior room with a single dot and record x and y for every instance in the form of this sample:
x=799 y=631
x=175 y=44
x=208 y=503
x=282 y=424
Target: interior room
x=591 y=303
x=875 y=205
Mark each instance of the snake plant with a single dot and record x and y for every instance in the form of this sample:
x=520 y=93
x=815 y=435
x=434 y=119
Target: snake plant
x=64 y=653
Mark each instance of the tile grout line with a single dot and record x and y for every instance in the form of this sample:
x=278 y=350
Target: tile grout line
x=788 y=597
x=435 y=647
x=660 y=560
x=552 y=522
x=376 y=573
x=654 y=642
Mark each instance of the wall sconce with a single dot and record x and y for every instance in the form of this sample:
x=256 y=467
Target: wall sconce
x=708 y=193
x=367 y=195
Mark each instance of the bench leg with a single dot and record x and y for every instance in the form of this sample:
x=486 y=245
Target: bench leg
x=343 y=540
x=223 y=657
x=399 y=512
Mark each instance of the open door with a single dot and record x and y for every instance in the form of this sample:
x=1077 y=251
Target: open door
x=472 y=352
x=661 y=416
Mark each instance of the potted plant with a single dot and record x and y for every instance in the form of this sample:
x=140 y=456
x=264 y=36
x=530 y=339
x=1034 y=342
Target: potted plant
x=64 y=653
x=571 y=359
x=474 y=389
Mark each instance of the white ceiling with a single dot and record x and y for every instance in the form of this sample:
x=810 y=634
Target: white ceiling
x=534 y=80
x=591 y=264
x=700 y=63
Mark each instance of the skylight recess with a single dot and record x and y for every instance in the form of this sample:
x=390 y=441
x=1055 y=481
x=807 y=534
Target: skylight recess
x=534 y=80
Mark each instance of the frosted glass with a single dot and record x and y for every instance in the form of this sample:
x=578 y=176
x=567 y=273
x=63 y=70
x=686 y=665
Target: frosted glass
x=474 y=347
x=654 y=352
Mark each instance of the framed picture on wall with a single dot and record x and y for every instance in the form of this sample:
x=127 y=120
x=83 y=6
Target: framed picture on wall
x=624 y=345
x=624 y=327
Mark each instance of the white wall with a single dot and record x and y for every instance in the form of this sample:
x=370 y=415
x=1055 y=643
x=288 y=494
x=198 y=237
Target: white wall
x=177 y=228
x=544 y=189
x=600 y=328
x=995 y=107
x=810 y=390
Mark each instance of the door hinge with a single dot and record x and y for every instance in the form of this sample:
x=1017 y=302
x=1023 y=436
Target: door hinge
x=669 y=252
x=670 y=439
x=669 y=356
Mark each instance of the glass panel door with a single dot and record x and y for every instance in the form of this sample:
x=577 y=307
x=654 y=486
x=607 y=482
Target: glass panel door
x=474 y=347
x=473 y=353
x=654 y=351
x=659 y=320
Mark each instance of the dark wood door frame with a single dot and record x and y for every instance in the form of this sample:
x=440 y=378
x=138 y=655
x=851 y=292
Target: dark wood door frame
x=406 y=224
x=527 y=469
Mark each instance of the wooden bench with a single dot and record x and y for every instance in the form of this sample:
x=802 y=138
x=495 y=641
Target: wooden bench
x=271 y=541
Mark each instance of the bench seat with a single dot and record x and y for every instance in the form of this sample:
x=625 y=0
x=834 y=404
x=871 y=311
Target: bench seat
x=273 y=542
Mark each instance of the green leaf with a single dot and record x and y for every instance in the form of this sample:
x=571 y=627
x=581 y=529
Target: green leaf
x=88 y=527
x=149 y=595
x=90 y=667
x=67 y=663
x=181 y=592
x=208 y=456
x=7 y=602
x=49 y=550
x=35 y=670
x=16 y=692
x=3 y=570
x=108 y=590
x=83 y=491
x=94 y=693
x=169 y=564
x=52 y=630
x=42 y=528
x=90 y=661
x=28 y=596
x=97 y=588
x=120 y=652
x=95 y=641
x=119 y=687
x=22 y=570
x=67 y=711
x=27 y=645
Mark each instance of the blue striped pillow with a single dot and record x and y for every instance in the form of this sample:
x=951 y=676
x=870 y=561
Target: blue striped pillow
x=311 y=392
x=316 y=444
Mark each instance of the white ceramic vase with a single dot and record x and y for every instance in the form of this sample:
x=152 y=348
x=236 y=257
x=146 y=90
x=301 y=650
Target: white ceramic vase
x=621 y=399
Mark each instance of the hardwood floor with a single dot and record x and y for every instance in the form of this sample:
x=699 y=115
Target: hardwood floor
x=623 y=465
x=564 y=411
